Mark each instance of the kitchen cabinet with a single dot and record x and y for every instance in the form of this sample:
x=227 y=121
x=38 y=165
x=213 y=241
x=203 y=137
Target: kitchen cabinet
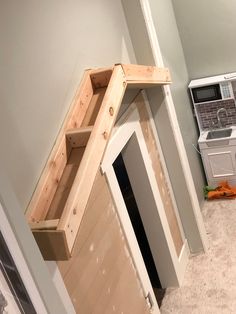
x=219 y=162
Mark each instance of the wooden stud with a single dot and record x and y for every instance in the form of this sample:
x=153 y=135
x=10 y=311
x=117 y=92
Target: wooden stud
x=44 y=224
x=92 y=156
x=94 y=107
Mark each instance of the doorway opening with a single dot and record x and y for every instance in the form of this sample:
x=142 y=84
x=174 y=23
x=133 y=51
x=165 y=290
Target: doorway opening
x=139 y=230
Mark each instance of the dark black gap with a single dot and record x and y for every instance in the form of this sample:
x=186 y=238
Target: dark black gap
x=130 y=202
x=14 y=281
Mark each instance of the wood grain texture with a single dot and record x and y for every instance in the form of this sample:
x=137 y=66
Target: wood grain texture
x=94 y=106
x=145 y=76
x=64 y=187
x=44 y=224
x=159 y=174
x=80 y=190
x=101 y=77
x=100 y=275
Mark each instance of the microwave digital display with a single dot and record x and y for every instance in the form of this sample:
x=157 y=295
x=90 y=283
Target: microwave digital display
x=206 y=93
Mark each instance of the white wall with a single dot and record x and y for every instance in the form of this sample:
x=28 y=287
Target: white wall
x=207 y=30
x=45 y=46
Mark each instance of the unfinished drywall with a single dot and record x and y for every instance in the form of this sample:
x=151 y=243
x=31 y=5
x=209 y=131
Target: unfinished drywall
x=173 y=57
x=207 y=31
x=45 y=47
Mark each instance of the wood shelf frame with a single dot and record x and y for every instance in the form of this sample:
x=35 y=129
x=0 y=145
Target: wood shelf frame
x=59 y=201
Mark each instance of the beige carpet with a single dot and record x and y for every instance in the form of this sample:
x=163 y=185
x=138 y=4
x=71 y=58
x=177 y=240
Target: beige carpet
x=209 y=286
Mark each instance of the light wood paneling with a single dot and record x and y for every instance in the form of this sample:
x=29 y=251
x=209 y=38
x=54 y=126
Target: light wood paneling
x=100 y=276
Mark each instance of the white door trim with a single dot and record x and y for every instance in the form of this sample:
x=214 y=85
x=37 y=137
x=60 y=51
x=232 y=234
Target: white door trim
x=116 y=144
x=20 y=263
x=130 y=235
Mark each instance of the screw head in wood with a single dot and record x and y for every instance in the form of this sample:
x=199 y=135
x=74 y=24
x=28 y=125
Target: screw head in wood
x=105 y=135
x=111 y=111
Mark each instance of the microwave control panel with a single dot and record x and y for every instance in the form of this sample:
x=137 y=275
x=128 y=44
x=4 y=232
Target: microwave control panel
x=226 y=90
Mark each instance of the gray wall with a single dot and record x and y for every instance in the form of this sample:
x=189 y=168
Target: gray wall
x=156 y=99
x=173 y=57
x=45 y=47
x=207 y=30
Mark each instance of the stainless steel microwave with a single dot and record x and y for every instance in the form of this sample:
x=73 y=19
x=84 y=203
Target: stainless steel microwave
x=211 y=92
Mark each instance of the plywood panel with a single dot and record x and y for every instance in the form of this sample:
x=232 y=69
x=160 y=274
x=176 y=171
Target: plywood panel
x=51 y=245
x=100 y=275
x=159 y=174
x=76 y=203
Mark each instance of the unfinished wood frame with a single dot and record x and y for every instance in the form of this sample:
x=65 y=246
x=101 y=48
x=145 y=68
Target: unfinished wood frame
x=59 y=201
